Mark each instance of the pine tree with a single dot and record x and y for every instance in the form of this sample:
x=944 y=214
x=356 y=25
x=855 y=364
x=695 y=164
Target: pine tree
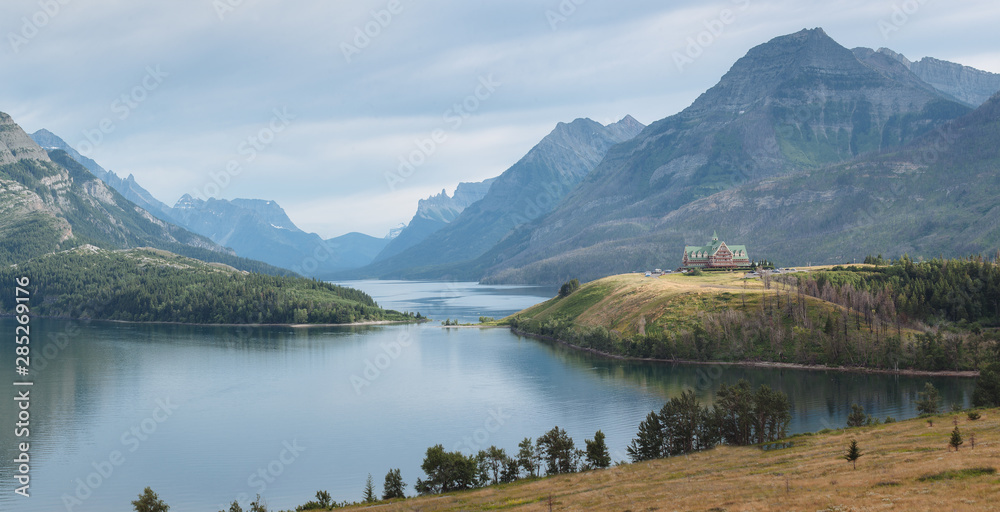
x=597 y=452
x=853 y=453
x=987 y=392
x=648 y=444
x=928 y=403
x=393 y=486
x=956 y=439
x=369 y=496
x=527 y=457
x=857 y=416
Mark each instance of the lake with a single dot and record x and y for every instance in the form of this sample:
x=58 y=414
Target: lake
x=206 y=415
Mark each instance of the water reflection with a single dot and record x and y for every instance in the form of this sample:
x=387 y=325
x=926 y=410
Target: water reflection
x=241 y=393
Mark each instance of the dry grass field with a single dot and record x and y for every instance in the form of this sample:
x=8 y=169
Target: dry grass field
x=905 y=466
x=630 y=303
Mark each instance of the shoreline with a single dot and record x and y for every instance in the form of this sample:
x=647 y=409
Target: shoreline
x=758 y=364
x=293 y=326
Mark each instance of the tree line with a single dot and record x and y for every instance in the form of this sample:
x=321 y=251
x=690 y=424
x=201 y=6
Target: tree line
x=740 y=417
x=936 y=315
x=151 y=286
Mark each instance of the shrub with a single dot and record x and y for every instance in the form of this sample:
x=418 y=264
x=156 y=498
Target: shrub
x=857 y=416
x=928 y=403
x=569 y=287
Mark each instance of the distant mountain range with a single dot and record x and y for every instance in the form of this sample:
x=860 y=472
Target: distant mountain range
x=50 y=202
x=126 y=187
x=434 y=213
x=805 y=151
x=799 y=107
x=529 y=189
x=261 y=230
x=251 y=228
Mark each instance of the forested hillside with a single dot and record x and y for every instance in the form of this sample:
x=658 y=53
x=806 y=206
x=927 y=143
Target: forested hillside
x=936 y=315
x=146 y=285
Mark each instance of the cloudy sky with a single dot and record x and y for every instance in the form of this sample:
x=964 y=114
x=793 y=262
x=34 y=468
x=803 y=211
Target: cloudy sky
x=314 y=103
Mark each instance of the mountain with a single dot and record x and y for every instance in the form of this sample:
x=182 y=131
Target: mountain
x=937 y=196
x=434 y=213
x=261 y=230
x=355 y=250
x=253 y=228
x=126 y=187
x=50 y=202
x=969 y=85
x=796 y=104
x=530 y=188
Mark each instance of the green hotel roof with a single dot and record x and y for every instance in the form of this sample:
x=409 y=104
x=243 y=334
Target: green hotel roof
x=714 y=246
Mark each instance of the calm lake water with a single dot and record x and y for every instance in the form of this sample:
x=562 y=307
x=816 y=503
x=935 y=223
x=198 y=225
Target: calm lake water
x=206 y=415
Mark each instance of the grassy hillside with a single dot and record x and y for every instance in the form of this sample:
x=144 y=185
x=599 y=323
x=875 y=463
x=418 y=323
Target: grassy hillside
x=904 y=466
x=857 y=317
x=150 y=285
x=624 y=302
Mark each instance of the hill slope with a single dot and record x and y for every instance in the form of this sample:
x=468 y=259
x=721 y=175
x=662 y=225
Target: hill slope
x=869 y=317
x=148 y=285
x=905 y=466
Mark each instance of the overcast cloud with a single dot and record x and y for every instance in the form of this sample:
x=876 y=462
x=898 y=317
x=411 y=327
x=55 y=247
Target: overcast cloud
x=268 y=86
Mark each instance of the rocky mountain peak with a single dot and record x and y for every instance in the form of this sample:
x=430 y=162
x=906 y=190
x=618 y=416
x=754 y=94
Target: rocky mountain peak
x=897 y=56
x=187 y=202
x=443 y=208
x=269 y=211
x=626 y=128
x=808 y=59
x=49 y=140
x=16 y=145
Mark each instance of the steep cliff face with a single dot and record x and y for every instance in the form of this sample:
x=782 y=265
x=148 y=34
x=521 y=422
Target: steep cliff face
x=15 y=145
x=969 y=85
x=434 y=213
x=127 y=187
x=48 y=202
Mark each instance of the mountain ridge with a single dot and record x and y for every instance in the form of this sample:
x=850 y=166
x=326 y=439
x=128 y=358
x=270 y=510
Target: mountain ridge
x=795 y=104
x=550 y=170
x=434 y=213
x=967 y=84
x=49 y=202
